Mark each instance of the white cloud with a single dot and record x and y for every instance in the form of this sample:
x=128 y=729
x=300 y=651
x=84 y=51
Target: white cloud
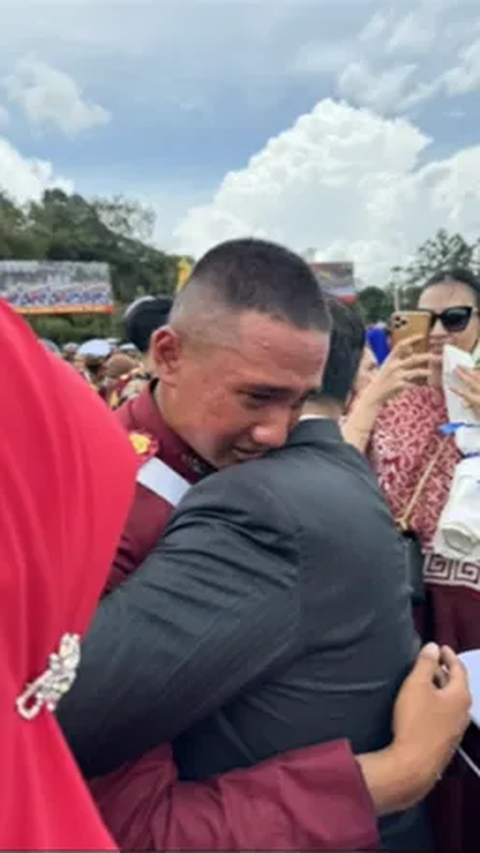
x=462 y=78
x=376 y=27
x=24 y=179
x=348 y=182
x=256 y=52
x=51 y=97
x=465 y=77
x=415 y=32
x=420 y=94
x=402 y=61
x=382 y=92
x=317 y=58
x=180 y=48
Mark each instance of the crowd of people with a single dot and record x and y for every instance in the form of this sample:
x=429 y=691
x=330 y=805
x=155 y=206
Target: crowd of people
x=213 y=637
x=118 y=371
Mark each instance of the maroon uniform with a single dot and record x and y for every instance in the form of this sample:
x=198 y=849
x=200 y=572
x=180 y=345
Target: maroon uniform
x=150 y=511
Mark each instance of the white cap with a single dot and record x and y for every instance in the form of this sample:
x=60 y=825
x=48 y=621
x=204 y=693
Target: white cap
x=96 y=348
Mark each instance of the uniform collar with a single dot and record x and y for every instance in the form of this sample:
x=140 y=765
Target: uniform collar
x=145 y=416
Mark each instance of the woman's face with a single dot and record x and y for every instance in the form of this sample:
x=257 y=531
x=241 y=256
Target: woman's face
x=438 y=298
x=367 y=371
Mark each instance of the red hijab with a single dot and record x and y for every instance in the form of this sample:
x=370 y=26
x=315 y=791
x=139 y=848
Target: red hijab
x=67 y=477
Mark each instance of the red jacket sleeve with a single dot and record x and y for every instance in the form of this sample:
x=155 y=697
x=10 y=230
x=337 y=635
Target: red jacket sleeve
x=148 y=517
x=309 y=799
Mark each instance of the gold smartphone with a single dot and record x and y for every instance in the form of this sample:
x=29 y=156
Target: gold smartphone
x=411 y=324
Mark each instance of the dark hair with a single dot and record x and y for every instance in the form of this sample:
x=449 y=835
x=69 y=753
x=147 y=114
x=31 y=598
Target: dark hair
x=255 y=275
x=144 y=317
x=462 y=275
x=347 y=342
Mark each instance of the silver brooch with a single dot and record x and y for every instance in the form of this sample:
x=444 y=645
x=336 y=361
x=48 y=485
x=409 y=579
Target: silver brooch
x=48 y=688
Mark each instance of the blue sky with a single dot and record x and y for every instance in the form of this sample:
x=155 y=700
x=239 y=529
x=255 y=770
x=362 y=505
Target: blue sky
x=360 y=116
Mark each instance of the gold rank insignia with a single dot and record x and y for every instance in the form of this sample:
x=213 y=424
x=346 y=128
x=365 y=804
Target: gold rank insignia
x=143 y=444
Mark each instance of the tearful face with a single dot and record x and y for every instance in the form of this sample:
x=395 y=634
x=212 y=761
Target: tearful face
x=234 y=402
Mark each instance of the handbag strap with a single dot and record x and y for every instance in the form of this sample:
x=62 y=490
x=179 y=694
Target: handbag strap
x=406 y=516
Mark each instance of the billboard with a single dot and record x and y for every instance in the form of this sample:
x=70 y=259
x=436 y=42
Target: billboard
x=336 y=278
x=56 y=287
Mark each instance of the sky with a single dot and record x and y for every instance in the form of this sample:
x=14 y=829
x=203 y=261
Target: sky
x=347 y=128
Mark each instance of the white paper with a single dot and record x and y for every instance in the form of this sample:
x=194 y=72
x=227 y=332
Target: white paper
x=458 y=411
x=471 y=661
x=458 y=531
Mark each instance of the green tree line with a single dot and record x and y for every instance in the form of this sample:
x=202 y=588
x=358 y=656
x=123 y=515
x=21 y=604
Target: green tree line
x=443 y=251
x=64 y=227
x=118 y=231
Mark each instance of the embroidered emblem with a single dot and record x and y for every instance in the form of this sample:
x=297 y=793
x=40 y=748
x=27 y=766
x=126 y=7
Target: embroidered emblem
x=144 y=445
x=47 y=690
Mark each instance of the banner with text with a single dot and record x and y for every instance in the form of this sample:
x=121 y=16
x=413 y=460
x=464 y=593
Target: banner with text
x=56 y=287
x=337 y=279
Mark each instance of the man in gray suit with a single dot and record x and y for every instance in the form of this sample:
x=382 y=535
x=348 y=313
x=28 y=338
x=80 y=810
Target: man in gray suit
x=273 y=614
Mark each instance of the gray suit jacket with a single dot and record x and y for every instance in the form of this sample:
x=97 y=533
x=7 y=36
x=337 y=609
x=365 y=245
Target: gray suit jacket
x=273 y=614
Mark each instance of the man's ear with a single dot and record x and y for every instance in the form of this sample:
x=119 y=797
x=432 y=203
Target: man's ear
x=166 y=349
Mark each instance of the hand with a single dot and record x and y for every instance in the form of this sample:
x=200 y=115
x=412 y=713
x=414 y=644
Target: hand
x=402 y=368
x=430 y=716
x=430 y=720
x=470 y=394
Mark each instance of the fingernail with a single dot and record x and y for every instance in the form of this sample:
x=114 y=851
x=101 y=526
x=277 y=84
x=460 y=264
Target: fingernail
x=431 y=650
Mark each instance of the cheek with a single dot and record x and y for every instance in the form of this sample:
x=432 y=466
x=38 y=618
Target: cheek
x=220 y=413
x=295 y=417
x=475 y=330
x=466 y=340
x=235 y=422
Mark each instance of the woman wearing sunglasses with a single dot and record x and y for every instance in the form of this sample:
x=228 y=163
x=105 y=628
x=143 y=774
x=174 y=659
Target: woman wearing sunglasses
x=397 y=421
x=407 y=442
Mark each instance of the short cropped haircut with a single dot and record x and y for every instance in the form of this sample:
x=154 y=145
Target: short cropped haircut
x=347 y=342
x=144 y=317
x=255 y=275
x=455 y=274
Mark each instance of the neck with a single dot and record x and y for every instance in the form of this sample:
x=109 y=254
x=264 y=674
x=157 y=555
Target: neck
x=326 y=408
x=158 y=397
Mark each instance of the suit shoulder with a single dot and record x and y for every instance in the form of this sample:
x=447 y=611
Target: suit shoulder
x=248 y=488
x=245 y=476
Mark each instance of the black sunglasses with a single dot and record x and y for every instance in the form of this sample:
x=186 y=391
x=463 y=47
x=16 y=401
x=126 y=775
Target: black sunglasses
x=454 y=319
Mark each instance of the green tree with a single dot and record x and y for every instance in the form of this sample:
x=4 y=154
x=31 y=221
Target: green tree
x=73 y=328
x=376 y=303
x=63 y=227
x=443 y=251
x=130 y=219
x=409 y=296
